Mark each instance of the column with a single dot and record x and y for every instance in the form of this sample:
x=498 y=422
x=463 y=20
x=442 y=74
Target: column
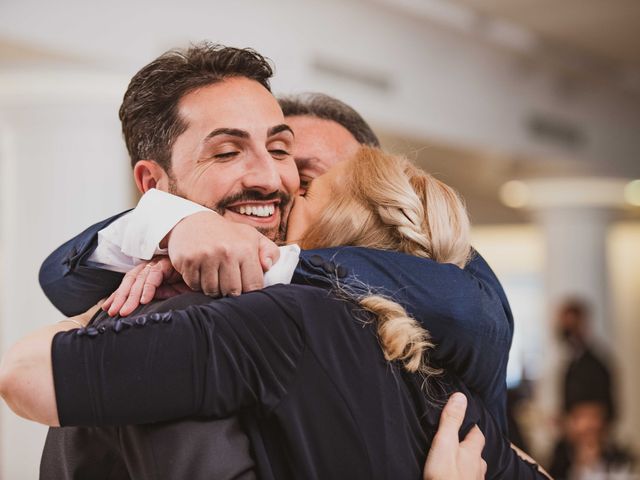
x=574 y=215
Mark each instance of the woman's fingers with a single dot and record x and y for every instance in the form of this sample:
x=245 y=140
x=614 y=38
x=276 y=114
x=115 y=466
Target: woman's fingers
x=159 y=272
x=159 y=279
x=135 y=292
x=108 y=302
x=122 y=293
x=139 y=286
x=147 y=282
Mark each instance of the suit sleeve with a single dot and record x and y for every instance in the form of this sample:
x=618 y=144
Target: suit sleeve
x=465 y=310
x=207 y=360
x=72 y=285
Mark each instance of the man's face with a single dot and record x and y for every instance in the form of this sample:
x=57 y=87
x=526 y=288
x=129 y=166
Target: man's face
x=319 y=145
x=235 y=155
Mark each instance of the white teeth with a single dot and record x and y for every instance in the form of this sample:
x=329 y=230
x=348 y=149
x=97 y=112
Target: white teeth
x=257 y=211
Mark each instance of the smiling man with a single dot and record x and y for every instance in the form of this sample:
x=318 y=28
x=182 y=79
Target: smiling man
x=200 y=123
x=230 y=152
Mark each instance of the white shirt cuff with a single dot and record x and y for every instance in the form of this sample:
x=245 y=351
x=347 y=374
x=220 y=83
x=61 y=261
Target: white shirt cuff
x=282 y=270
x=156 y=214
x=107 y=254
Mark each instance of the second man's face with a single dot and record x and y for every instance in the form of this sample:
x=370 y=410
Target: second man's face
x=321 y=149
x=319 y=145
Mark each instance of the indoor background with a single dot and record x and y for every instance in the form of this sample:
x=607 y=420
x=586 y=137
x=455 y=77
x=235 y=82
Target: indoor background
x=530 y=108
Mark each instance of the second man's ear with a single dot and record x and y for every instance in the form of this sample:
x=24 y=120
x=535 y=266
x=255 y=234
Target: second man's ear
x=148 y=174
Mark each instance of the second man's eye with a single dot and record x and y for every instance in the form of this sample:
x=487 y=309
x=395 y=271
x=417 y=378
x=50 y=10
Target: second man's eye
x=279 y=154
x=305 y=183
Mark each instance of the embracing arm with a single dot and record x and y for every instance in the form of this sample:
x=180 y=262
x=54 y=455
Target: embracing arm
x=91 y=265
x=201 y=360
x=211 y=253
x=70 y=282
x=33 y=399
x=26 y=374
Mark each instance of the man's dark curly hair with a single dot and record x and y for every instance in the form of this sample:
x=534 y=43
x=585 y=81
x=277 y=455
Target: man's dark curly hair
x=149 y=112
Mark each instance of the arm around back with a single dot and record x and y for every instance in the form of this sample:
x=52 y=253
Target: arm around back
x=191 y=356
x=72 y=285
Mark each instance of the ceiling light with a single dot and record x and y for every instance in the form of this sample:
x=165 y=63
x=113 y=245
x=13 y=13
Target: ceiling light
x=632 y=193
x=515 y=194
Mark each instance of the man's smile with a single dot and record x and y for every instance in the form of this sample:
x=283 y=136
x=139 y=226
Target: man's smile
x=256 y=209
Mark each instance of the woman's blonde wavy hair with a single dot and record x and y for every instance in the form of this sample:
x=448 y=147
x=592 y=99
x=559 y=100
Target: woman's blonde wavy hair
x=385 y=202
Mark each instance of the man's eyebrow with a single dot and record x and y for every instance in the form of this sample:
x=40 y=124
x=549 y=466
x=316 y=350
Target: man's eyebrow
x=234 y=132
x=279 y=128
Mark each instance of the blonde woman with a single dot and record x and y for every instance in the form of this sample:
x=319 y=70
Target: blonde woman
x=331 y=383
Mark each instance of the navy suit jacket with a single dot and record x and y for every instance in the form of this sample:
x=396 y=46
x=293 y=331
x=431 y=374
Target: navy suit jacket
x=465 y=310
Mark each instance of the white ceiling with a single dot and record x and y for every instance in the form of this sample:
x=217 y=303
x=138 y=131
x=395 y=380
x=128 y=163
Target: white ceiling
x=609 y=29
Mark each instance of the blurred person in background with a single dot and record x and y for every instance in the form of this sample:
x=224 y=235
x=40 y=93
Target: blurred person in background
x=588 y=374
x=585 y=448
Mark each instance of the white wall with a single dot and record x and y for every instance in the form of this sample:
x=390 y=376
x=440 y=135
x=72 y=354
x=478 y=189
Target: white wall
x=62 y=167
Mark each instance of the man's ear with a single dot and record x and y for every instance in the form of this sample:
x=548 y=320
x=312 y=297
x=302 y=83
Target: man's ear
x=148 y=174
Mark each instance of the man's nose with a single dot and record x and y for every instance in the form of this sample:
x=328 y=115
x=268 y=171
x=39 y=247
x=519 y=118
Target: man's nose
x=263 y=174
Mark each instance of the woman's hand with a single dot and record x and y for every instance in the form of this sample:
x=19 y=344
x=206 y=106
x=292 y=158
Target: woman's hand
x=450 y=459
x=154 y=279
